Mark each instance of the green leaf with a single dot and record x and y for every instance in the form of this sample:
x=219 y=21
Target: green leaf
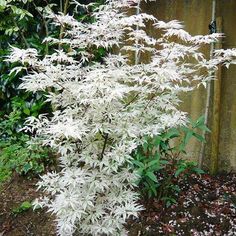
x=164 y=162
x=173 y=133
x=138 y=163
x=26 y=205
x=199 y=137
x=185 y=129
x=168 y=201
x=23 y=207
x=153 y=162
x=154 y=191
x=145 y=146
x=157 y=140
x=152 y=176
x=200 y=121
x=164 y=146
x=181 y=147
x=27 y=167
x=152 y=188
x=198 y=171
x=140 y=171
x=27 y=111
x=204 y=128
x=179 y=171
x=188 y=136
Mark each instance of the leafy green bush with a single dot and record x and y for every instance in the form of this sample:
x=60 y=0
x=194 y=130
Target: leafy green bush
x=15 y=152
x=24 y=24
x=160 y=164
x=17 y=155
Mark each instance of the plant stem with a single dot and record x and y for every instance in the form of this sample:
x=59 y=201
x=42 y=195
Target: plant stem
x=62 y=29
x=104 y=145
x=45 y=26
x=133 y=99
x=22 y=35
x=66 y=7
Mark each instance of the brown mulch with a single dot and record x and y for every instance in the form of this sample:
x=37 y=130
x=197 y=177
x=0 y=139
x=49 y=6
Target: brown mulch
x=206 y=206
x=27 y=223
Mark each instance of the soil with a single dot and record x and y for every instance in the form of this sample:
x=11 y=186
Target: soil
x=26 y=223
x=205 y=206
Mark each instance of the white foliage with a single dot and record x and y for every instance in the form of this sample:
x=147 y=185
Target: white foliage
x=23 y=55
x=104 y=109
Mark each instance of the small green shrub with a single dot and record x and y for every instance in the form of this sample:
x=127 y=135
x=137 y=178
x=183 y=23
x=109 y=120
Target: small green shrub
x=16 y=154
x=25 y=159
x=25 y=24
x=25 y=206
x=160 y=164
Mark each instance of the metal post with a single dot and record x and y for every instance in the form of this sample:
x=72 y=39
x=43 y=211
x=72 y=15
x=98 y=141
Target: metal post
x=209 y=84
x=215 y=140
x=137 y=28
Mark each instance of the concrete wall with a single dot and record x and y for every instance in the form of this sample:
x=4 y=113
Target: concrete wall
x=196 y=16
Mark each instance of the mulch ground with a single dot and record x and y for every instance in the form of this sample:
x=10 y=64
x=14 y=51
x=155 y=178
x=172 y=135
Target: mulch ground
x=27 y=223
x=206 y=206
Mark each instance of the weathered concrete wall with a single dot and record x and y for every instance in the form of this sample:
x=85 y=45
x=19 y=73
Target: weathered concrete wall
x=196 y=16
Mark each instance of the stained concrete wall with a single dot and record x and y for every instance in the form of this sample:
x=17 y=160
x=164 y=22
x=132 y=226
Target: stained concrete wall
x=196 y=16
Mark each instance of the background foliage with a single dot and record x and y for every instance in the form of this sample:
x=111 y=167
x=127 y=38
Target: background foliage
x=24 y=24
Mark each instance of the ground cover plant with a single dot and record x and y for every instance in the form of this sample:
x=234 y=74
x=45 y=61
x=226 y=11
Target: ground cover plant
x=16 y=154
x=104 y=110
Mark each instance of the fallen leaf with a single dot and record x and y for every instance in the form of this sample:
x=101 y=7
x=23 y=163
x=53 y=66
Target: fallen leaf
x=183 y=220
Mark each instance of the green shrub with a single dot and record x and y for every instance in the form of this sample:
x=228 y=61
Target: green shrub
x=160 y=164
x=24 y=24
x=16 y=154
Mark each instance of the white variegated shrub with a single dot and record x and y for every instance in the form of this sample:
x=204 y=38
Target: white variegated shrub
x=102 y=110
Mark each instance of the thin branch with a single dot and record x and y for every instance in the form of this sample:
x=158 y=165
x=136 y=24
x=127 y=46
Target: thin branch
x=104 y=145
x=56 y=82
x=62 y=29
x=132 y=100
x=22 y=35
x=66 y=7
x=149 y=101
x=61 y=5
x=45 y=26
x=137 y=55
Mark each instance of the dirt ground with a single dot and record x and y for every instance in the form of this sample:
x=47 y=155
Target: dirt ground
x=26 y=223
x=206 y=206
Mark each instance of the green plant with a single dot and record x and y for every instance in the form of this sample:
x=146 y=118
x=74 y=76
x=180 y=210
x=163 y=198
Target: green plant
x=16 y=154
x=25 y=206
x=24 y=24
x=160 y=164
